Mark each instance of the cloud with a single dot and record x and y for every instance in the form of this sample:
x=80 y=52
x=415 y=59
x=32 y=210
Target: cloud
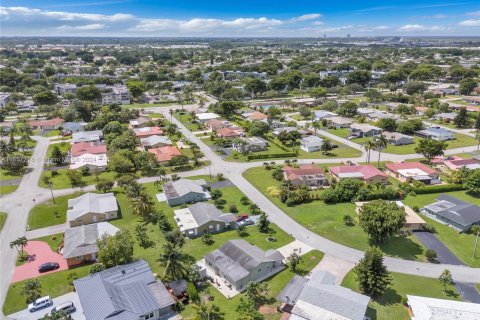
x=474 y=13
x=317 y=23
x=470 y=23
x=87 y=27
x=419 y=27
x=306 y=17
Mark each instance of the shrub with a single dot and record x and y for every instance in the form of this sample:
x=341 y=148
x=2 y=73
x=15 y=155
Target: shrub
x=431 y=255
x=233 y=208
x=348 y=220
x=439 y=189
x=429 y=228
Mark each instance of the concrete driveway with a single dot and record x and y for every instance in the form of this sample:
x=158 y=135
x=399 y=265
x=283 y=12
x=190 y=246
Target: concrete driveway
x=72 y=296
x=39 y=253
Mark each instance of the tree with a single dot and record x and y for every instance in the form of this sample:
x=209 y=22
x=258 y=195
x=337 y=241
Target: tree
x=360 y=77
x=387 y=124
x=207 y=238
x=326 y=146
x=19 y=243
x=216 y=194
x=75 y=177
x=136 y=88
x=142 y=236
x=255 y=86
x=142 y=205
x=445 y=279
x=431 y=255
x=31 y=290
x=120 y=164
x=115 y=250
x=104 y=185
x=348 y=109
x=175 y=237
x=174 y=262
x=207 y=311
x=96 y=267
x=278 y=84
x=430 y=148
x=246 y=311
x=318 y=92
x=259 y=128
x=368 y=146
x=381 y=219
x=88 y=93
x=294 y=259
x=263 y=223
x=472 y=182
x=348 y=220
x=256 y=293
x=413 y=87
x=467 y=86
x=57 y=155
x=380 y=143
x=46 y=97
x=461 y=120
x=371 y=274
x=242 y=231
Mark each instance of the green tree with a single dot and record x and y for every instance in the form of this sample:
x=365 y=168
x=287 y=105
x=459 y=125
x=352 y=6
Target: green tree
x=371 y=274
x=461 y=120
x=263 y=223
x=326 y=146
x=142 y=236
x=472 y=182
x=381 y=219
x=207 y=311
x=445 y=279
x=142 y=205
x=174 y=261
x=115 y=250
x=46 y=97
x=136 y=88
x=246 y=311
x=175 y=237
x=430 y=148
x=207 y=238
x=104 y=185
x=431 y=255
x=380 y=143
x=75 y=177
x=255 y=86
x=31 y=290
x=19 y=243
x=88 y=93
x=467 y=86
x=256 y=293
x=294 y=259
x=413 y=87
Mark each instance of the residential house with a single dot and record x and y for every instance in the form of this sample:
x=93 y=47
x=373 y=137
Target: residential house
x=51 y=124
x=94 y=162
x=275 y=124
x=88 y=147
x=446 y=116
x=412 y=171
x=377 y=115
x=124 y=292
x=278 y=131
x=339 y=122
x=155 y=142
x=91 y=208
x=230 y=132
x=453 y=212
x=185 y=191
x=87 y=136
x=138 y=122
x=436 y=133
x=397 y=139
x=311 y=143
x=62 y=88
x=472 y=99
x=74 y=126
x=215 y=124
x=4 y=99
x=420 y=111
x=146 y=132
x=412 y=219
x=165 y=154
x=206 y=116
x=254 y=116
x=202 y=218
x=367 y=173
x=250 y=144
x=80 y=243
x=365 y=111
x=455 y=165
x=423 y=308
x=364 y=130
x=322 y=114
x=318 y=297
x=239 y=263
x=306 y=174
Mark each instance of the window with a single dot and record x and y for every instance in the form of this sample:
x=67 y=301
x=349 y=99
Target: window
x=79 y=258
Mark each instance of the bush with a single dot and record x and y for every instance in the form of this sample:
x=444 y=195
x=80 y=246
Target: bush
x=431 y=255
x=348 y=220
x=269 y=156
x=429 y=228
x=233 y=208
x=439 y=189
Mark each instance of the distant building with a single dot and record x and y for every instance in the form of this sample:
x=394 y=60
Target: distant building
x=146 y=132
x=117 y=93
x=88 y=147
x=87 y=136
x=62 y=88
x=254 y=116
x=436 y=133
x=311 y=143
x=185 y=191
x=364 y=130
x=412 y=171
x=4 y=99
x=94 y=162
x=165 y=154
x=367 y=173
x=155 y=142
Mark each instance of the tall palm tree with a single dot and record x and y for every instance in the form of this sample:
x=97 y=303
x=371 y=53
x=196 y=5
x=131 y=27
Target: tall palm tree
x=174 y=262
x=368 y=146
x=380 y=143
x=142 y=205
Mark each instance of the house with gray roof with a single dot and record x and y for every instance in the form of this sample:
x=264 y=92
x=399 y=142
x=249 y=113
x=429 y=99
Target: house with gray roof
x=155 y=142
x=185 y=191
x=202 y=218
x=250 y=144
x=320 y=298
x=80 y=243
x=238 y=262
x=397 y=138
x=87 y=136
x=453 y=212
x=74 y=126
x=311 y=143
x=364 y=129
x=436 y=133
x=125 y=292
x=91 y=208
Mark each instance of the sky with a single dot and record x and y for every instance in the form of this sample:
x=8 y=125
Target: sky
x=238 y=18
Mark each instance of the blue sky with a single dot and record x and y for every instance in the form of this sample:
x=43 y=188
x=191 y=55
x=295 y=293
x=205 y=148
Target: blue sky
x=262 y=18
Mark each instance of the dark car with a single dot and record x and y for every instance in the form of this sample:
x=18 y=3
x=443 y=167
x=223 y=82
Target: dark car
x=49 y=266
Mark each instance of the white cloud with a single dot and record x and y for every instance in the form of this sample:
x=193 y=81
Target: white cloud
x=317 y=23
x=474 y=13
x=306 y=17
x=419 y=27
x=87 y=27
x=470 y=23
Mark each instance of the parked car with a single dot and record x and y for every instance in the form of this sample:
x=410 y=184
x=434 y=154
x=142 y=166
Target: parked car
x=247 y=222
x=67 y=134
x=66 y=308
x=242 y=217
x=49 y=266
x=40 y=303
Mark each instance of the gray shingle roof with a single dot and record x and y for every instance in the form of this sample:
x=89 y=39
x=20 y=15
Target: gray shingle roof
x=122 y=293
x=312 y=141
x=82 y=240
x=204 y=213
x=91 y=203
x=179 y=188
x=455 y=210
x=153 y=140
x=87 y=136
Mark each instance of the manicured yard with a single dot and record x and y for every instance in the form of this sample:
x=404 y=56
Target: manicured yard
x=461 y=244
x=63 y=146
x=3 y=217
x=152 y=105
x=461 y=140
x=54 y=285
x=7 y=175
x=53 y=241
x=61 y=180
x=185 y=119
x=327 y=221
x=52 y=133
x=7 y=189
x=50 y=214
x=389 y=306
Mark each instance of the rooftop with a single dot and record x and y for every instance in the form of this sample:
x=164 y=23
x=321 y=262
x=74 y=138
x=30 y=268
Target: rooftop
x=357 y=171
x=424 y=308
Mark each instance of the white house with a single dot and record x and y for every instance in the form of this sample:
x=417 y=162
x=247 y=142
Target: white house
x=311 y=143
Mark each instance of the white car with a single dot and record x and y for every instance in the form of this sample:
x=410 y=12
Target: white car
x=40 y=303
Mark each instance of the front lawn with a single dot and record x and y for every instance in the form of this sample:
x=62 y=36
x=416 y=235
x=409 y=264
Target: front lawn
x=53 y=240
x=52 y=133
x=461 y=244
x=7 y=189
x=186 y=120
x=61 y=180
x=3 y=217
x=389 y=306
x=63 y=146
x=7 y=175
x=327 y=221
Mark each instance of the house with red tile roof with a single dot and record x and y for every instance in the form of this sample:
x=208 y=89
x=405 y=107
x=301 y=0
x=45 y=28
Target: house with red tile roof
x=255 y=116
x=412 y=171
x=215 y=124
x=146 y=132
x=455 y=165
x=306 y=174
x=165 y=154
x=367 y=173
x=88 y=147
x=50 y=124
x=233 y=132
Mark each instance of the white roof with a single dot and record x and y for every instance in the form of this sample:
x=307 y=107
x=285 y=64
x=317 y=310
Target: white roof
x=91 y=203
x=96 y=160
x=185 y=220
x=439 y=309
x=414 y=172
x=207 y=116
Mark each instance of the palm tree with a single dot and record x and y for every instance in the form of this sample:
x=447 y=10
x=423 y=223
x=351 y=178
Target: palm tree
x=3 y=149
x=316 y=125
x=446 y=279
x=19 y=243
x=380 y=143
x=174 y=262
x=477 y=137
x=208 y=311
x=142 y=205
x=368 y=146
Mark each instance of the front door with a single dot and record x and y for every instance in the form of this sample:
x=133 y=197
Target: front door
x=94 y=219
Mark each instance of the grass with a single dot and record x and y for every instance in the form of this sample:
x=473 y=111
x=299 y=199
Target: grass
x=52 y=133
x=185 y=119
x=63 y=146
x=461 y=244
x=49 y=213
x=53 y=240
x=327 y=221
x=3 y=218
x=461 y=140
x=61 y=180
x=389 y=305
x=7 y=189
x=7 y=175
x=54 y=284
x=275 y=284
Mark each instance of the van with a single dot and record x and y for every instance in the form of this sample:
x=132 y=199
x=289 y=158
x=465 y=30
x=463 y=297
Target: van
x=40 y=303
x=66 y=308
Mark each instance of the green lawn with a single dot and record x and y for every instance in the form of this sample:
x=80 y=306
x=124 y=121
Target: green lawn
x=61 y=180
x=7 y=175
x=3 y=217
x=50 y=214
x=53 y=241
x=185 y=119
x=7 y=189
x=52 y=133
x=63 y=146
x=461 y=244
x=389 y=306
x=461 y=140
x=54 y=285
x=327 y=221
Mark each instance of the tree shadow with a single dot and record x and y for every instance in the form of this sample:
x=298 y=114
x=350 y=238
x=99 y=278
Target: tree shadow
x=390 y=297
x=402 y=247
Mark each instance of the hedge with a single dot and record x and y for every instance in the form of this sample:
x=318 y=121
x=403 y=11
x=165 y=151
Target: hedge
x=269 y=156
x=439 y=188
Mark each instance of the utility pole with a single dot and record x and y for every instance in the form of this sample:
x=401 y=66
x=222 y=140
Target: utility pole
x=51 y=191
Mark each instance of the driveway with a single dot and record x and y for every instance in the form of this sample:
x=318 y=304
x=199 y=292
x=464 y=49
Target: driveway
x=39 y=253
x=72 y=296
x=221 y=184
x=48 y=231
